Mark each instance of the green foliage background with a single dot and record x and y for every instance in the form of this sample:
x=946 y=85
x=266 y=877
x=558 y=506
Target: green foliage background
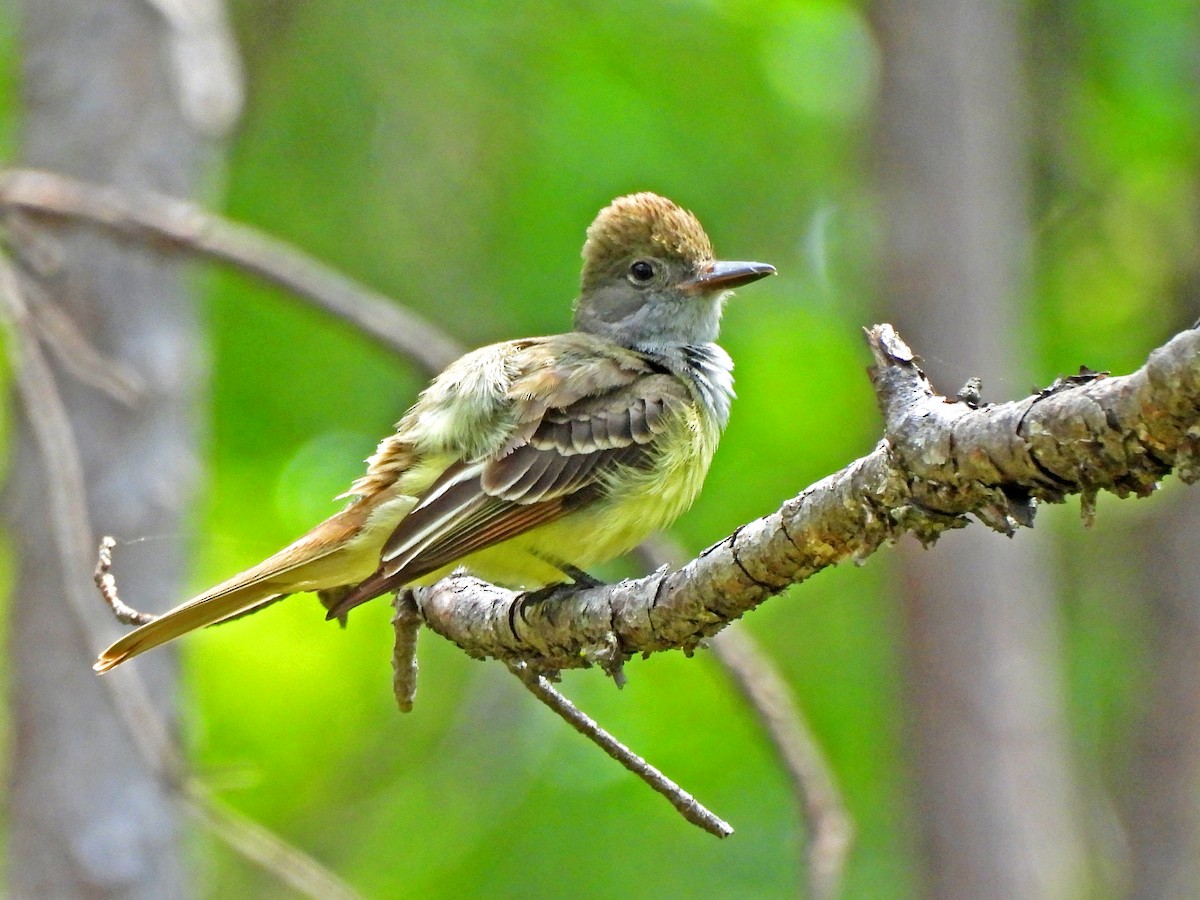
x=452 y=155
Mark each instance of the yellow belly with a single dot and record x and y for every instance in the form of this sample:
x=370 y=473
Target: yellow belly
x=641 y=502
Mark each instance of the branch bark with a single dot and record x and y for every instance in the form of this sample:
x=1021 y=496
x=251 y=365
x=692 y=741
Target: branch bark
x=940 y=461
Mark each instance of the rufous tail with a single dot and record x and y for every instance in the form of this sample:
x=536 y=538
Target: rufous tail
x=198 y=612
x=309 y=564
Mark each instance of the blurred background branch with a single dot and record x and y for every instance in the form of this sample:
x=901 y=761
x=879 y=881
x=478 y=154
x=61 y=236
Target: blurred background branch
x=156 y=219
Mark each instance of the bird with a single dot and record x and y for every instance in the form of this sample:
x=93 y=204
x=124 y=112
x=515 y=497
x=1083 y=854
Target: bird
x=528 y=461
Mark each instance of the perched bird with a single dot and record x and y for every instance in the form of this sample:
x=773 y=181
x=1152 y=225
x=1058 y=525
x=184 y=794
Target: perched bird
x=528 y=461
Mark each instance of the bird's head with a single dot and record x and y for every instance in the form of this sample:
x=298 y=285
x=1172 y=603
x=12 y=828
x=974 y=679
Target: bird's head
x=649 y=276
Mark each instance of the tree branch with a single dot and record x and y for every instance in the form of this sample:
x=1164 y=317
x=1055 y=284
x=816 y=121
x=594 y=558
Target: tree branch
x=939 y=461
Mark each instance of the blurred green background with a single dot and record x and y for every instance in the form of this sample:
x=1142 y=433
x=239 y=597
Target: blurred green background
x=452 y=156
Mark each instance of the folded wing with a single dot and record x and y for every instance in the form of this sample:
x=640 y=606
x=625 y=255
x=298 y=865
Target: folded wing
x=574 y=425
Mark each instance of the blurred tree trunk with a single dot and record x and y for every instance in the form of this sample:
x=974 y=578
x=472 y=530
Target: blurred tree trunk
x=101 y=91
x=996 y=791
x=1163 y=814
x=1157 y=856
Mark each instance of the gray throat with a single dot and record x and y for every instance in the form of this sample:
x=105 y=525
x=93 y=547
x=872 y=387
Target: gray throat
x=707 y=367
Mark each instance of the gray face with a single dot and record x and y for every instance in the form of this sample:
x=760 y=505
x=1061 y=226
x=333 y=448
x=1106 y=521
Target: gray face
x=656 y=301
x=650 y=301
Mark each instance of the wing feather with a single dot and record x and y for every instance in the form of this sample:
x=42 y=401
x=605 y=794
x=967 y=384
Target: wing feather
x=573 y=422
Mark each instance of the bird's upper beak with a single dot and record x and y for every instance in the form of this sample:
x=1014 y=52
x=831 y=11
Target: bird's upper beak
x=720 y=275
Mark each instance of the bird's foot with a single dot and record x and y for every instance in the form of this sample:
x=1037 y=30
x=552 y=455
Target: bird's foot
x=541 y=595
x=581 y=578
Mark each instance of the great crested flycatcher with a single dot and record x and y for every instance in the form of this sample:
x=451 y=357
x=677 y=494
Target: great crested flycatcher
x=530 y=460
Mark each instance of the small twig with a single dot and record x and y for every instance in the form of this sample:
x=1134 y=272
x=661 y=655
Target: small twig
x=36 y=254
x=81 y=359
x=108 y=586
x=407 y=623
x=687 y=805
x=158 y=218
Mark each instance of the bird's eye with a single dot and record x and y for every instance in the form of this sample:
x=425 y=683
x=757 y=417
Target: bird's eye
x=641 y=271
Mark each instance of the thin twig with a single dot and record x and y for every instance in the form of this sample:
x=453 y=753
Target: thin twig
x=37 y=255
x=157 y=218
x=77 y=356
x=687 y=805
x=407 y=623
x=130 y=700
x=108 y=586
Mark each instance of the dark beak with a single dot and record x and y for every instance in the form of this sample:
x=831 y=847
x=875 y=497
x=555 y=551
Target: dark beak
x=724 y=276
